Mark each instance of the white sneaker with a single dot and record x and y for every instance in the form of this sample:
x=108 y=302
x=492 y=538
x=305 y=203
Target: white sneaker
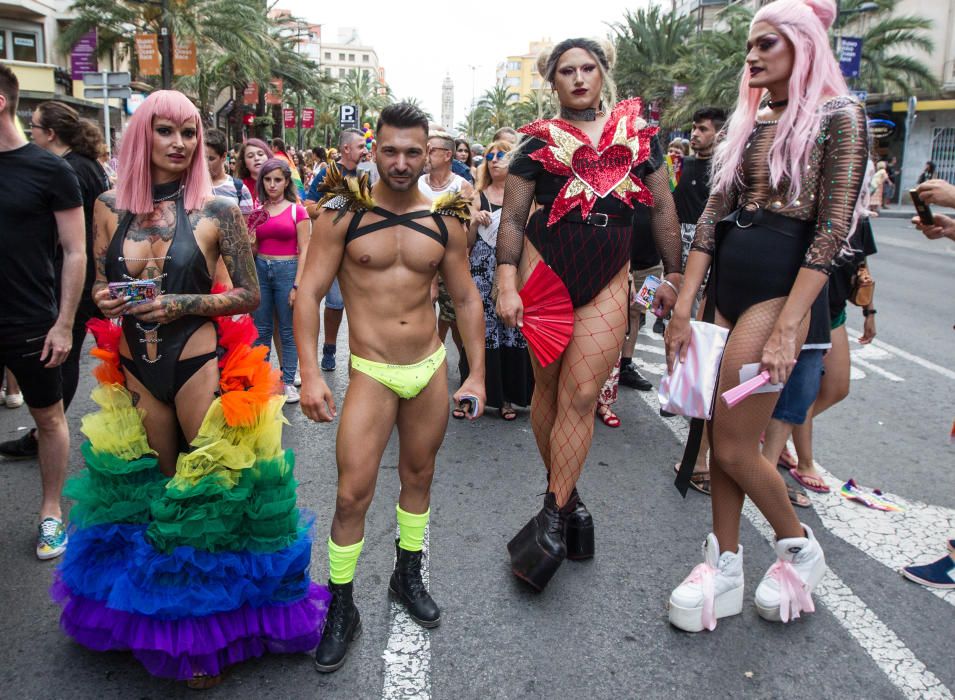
x=13 y=400
x=291 y=394
x=298 y=379
x=714 y=589
x=786 y=589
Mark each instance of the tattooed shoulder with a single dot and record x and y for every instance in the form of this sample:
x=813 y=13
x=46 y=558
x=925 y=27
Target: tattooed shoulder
x=109 y=199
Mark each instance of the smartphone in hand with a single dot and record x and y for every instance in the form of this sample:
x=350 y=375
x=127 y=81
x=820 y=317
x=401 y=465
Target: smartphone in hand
x=921 y=208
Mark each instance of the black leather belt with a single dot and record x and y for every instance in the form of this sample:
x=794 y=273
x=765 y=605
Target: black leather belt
x=786 y=225
x=596 y=218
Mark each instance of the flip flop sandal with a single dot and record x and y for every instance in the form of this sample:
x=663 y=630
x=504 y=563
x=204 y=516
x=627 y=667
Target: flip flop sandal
x=608 y=417
x=813 y=483
x=508 y=414
x=699 y=481
x=786 y=460
x=800 y=500
x=459 y=412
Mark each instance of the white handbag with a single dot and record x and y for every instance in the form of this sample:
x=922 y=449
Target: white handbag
x=689 y=390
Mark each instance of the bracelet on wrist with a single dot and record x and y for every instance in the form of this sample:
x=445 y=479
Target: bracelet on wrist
x=672 y=286
x=868 y=312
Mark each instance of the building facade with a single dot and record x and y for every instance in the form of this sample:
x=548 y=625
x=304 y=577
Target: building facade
x=447 y=103
x=339 y=58
x=519 y=73
x=703 y=12
x=29 y=30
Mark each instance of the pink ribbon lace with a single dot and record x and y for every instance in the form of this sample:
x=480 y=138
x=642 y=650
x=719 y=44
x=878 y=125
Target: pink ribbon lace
x=794 y=596
x=704 y=574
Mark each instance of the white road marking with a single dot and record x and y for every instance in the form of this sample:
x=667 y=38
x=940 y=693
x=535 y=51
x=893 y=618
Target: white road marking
x=408 y=654
x=878 y=370
x=912 y=678
x=914 y=536
x=905 y=355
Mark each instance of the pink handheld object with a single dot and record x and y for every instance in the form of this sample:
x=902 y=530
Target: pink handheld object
x=733 y=396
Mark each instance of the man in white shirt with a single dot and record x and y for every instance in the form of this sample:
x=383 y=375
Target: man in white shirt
x=440 y=179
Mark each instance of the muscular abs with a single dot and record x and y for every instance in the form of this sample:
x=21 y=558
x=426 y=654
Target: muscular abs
x=385 y=279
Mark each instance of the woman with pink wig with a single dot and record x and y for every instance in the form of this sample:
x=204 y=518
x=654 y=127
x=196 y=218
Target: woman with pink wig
x=786 y=184
x=188 y=548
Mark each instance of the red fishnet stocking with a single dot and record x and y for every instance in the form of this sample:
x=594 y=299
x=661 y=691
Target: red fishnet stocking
x=737 y=468
x=587 y=361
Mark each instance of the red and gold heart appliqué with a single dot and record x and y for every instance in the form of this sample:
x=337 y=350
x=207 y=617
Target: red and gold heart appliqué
x=595 y=173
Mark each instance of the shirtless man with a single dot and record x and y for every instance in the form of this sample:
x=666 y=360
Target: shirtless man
x=385 y=258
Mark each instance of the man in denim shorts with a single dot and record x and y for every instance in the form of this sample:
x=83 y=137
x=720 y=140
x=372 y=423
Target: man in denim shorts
x=41 y=205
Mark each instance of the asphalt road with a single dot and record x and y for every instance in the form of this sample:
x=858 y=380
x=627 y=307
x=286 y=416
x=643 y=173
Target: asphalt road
x=600 y=629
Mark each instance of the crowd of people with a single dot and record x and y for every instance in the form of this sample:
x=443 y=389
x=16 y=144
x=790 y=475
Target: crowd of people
x=193 y=261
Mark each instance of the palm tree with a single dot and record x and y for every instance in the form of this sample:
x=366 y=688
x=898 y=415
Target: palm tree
x=649 y=44
x=887 y=66
x=232 y=36
x=494 y=109
x=361 y=88
x=540 y=104
x=711 y=66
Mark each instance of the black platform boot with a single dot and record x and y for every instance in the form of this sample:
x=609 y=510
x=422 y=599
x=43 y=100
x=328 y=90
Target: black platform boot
x=580 y=529
x=406 y=585
x=538 y=550
x=342 y=625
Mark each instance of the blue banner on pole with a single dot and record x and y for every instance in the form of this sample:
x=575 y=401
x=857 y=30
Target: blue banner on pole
x=850 y=55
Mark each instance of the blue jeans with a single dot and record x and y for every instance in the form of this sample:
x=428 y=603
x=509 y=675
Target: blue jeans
x=276 y=278
x=801 y=389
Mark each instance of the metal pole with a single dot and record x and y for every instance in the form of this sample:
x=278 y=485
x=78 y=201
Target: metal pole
x=165 y=48
x=105 y=76
x=299 y=121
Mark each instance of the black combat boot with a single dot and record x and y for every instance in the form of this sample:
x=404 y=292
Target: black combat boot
x=342 y=625
x=538 y=550
x=580 y=529
x=406 y=585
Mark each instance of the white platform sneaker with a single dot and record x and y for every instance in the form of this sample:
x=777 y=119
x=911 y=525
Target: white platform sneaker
x=714 y=589
x=786 y=589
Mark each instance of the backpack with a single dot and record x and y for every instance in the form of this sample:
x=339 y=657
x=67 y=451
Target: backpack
x=237 y=183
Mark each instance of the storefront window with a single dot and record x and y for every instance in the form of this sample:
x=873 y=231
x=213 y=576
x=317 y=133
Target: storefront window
x=24 y=47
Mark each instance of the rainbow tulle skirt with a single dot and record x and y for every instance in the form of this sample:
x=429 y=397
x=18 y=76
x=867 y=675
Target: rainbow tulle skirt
x=205 y=569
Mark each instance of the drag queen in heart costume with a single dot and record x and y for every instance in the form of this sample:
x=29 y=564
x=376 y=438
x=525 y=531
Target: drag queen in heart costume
x=188 y=549
x=582 y=231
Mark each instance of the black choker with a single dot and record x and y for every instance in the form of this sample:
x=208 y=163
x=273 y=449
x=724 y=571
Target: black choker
x=167 y=191
x=581 y=115
x=777 y=104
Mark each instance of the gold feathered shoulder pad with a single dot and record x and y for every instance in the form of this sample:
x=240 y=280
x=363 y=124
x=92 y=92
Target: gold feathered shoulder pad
x=453 y=204
x=346 y=193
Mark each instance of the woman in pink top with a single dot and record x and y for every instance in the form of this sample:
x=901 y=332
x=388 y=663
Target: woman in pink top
x=279 y=242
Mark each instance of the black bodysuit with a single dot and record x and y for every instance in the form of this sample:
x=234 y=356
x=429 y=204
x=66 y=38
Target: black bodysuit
x=184 y=271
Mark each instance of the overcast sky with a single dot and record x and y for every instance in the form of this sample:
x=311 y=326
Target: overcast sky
x=419 y=43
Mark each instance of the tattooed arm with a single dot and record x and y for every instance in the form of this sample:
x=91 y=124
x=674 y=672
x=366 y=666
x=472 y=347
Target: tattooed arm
x=104 y=227
x=236 y=254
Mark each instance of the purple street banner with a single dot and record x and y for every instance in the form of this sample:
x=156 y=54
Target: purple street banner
x=850 y=56
x=83 y=56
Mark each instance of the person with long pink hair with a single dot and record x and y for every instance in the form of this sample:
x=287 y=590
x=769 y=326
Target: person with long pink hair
x=787 y=179
x=188 y=548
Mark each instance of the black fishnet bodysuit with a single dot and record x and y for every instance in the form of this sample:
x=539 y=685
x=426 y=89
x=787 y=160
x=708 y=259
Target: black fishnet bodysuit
x=830 y=188
x=562 y=408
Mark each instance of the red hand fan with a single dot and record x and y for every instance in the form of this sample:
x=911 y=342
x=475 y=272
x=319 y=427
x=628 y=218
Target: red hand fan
x=548 y=314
